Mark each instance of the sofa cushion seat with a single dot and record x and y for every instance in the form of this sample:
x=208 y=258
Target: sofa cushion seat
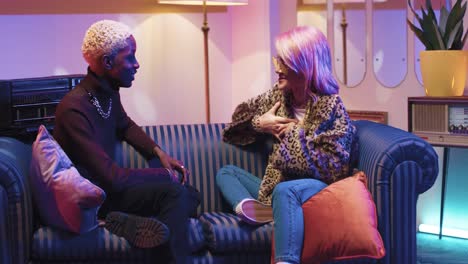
x=55 y=245
x=225 y=232
x=197 y=241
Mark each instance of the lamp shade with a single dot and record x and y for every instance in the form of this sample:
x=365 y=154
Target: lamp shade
x=208 y=2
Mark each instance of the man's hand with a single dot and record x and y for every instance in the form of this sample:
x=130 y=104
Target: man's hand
x=273 y=124
x=172 y=165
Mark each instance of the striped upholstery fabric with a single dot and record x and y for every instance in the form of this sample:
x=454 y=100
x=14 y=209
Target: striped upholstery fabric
x=398 y=164
x=201 y=149
x=5 y=257
x=355 y=261
x=226 y=233
x=15 y=157
x=196 y=237
x=99 y=244
x=233 y=258
x=53 y=245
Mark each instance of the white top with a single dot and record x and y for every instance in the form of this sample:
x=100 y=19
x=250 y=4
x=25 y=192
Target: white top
x=299 y=113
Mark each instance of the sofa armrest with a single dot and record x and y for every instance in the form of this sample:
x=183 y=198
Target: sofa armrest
x=5 y=255
x=15 y=157
x=399 y=167
x=382 y=149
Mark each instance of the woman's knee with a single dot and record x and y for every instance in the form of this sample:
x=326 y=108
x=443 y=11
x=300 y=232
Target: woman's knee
x=227 y=170
x=283 y=190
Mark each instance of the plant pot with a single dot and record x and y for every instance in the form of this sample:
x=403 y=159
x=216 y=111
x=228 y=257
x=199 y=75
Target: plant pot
x=444 y=72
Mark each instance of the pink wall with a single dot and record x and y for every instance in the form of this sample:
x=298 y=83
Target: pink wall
x=40 y=40
x=254 y=28
x=251 y=51
x=169 y=87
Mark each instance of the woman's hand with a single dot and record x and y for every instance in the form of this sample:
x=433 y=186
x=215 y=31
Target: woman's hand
x=285 y=128
x=172 y=165
x=273 y=124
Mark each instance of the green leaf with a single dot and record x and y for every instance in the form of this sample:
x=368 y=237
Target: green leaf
x=455 y=32
x=440 y=40
x=464 y=40
x=431 y=32
x=443 y=21
x=430 y=11
x=419 y=34
x=456 y=14
x=443 y=32
x=414 y=12
x=458 y=41
x=435 y=27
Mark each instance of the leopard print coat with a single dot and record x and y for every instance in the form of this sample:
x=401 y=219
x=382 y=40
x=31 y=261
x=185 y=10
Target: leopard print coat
x=318 y=148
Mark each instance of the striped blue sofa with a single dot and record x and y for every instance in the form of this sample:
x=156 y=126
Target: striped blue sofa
x=399 y=165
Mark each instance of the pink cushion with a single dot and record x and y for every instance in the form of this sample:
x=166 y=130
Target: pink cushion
x=64 y=198
x=341 y=223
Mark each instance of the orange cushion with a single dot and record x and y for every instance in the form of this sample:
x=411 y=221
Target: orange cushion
x=341 y=223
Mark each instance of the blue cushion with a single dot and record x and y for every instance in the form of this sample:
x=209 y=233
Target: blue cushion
x=225 y=232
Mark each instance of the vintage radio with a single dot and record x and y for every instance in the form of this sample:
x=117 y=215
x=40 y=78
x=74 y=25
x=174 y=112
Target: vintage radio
x=442 y=121
x=27 y=103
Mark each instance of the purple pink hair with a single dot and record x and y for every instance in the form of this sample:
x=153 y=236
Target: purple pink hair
x=305 y=50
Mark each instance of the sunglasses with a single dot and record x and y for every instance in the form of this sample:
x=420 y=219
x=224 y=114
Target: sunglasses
x=279 y=65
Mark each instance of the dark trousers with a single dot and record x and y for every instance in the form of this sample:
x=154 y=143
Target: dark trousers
x=171 y=203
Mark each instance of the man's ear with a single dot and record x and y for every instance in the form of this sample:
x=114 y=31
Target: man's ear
x=107 y=62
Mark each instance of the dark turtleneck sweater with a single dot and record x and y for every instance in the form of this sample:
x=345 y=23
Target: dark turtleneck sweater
x=90 y=140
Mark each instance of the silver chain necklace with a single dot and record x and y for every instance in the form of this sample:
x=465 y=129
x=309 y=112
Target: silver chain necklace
x=98 y=106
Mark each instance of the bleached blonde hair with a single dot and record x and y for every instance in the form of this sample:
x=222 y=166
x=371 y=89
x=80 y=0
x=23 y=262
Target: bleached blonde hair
x=305 y=50
x=105 y=37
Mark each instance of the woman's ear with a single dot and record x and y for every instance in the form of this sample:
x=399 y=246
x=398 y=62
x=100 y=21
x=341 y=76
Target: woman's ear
x=107 y=62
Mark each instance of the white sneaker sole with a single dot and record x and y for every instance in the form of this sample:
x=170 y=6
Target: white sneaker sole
x=254 y=212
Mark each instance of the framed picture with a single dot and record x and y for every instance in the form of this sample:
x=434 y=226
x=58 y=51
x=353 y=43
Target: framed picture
x=375 y=116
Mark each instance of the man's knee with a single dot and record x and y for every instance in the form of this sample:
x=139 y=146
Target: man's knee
x=184 y=197
x=175 y=191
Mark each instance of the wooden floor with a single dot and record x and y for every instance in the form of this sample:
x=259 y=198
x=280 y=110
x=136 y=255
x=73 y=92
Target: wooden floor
x=448 y=250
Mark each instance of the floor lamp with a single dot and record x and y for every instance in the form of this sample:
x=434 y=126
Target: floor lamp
x=205 y=28
x=344 y=25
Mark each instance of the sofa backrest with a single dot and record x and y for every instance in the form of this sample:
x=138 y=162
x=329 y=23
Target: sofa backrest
x=201 y=149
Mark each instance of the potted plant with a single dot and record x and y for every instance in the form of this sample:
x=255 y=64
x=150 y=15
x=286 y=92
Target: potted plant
x=443 y=64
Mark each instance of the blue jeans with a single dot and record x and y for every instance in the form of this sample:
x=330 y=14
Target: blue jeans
x=288 y=198
x=237 y=184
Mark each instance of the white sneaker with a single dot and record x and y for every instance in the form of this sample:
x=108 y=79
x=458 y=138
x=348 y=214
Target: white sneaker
x=254 y=212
